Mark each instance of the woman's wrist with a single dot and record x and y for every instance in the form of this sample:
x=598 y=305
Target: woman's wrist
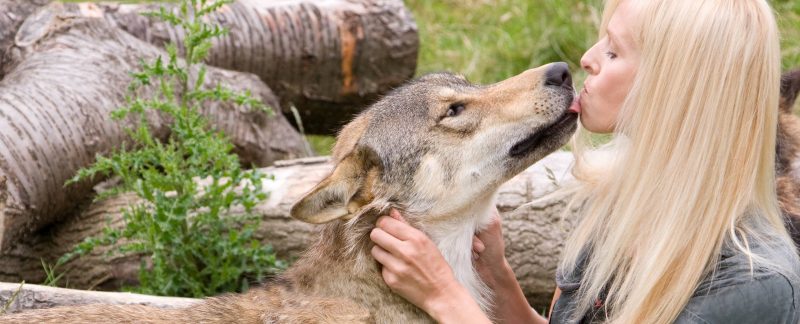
x=510 y=301
x=455 y=305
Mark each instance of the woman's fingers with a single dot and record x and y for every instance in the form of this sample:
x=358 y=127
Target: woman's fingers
x=384 y=257
x=386 y=241
x=397 y=228
x=477 y=245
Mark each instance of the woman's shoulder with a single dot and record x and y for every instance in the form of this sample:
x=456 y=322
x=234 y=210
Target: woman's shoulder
x=769 y=298
x=737 y=293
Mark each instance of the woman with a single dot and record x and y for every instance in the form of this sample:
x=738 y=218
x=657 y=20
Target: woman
x=679 y=215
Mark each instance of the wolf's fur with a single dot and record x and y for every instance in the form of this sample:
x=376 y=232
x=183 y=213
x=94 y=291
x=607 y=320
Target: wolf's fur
x=788 y=147
x=404 y=152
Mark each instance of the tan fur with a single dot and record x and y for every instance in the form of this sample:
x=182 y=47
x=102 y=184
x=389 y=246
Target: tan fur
x=404 y=152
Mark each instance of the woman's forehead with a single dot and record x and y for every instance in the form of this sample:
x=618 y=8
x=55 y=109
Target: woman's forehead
x=619 y=28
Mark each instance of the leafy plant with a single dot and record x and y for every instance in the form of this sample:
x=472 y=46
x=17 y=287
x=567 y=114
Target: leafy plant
x=189 y=183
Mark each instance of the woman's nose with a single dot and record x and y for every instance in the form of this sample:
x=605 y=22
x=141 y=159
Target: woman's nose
x=586 y=63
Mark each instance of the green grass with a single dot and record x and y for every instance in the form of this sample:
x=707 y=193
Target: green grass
x=788 y=12
x=491 y=40
x=321 y=144
x=488 y=40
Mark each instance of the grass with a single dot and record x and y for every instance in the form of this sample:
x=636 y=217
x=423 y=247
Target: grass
x=321 y=144
x=52 y=275
x=491 y=40
x=12 y=299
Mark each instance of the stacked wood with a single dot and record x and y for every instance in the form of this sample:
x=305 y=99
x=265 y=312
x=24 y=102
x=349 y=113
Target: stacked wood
x=534 y=231
x=330 y=59
x=64 y=75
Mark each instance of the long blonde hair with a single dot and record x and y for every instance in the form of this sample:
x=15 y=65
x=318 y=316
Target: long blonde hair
x=691 y=164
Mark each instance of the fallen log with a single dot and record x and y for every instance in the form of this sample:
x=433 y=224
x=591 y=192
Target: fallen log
x=65 y=75
x=534 y=231
x=30 y=296
x=330 y=59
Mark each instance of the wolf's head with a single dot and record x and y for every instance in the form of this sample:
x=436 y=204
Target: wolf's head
x=439 y=143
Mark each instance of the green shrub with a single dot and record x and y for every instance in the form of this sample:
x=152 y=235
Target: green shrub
x=189 y=183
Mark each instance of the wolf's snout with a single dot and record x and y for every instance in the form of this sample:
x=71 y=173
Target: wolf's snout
x=558 y=76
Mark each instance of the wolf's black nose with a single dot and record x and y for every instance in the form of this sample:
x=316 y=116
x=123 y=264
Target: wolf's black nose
x=558 y=75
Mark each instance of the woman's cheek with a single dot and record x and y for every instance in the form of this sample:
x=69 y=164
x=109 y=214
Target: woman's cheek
x=597 y=121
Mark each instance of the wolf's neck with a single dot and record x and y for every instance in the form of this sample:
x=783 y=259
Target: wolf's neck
x=454 y=240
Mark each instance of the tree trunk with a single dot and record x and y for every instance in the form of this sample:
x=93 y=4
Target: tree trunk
x=65 y=75
x=30 y=296
x=330 y=59
x=534 y=231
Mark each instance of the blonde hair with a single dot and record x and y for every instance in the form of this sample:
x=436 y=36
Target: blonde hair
x=691 y=165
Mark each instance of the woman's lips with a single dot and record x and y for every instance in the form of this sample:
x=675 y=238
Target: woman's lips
x=576 y=104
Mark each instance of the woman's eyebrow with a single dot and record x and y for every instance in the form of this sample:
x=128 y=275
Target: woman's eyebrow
x=611 y=37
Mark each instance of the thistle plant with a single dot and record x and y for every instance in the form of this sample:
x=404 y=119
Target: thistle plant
x=188 y=183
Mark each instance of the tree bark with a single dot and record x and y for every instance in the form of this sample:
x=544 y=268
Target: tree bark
x=65 y=75
x=330 y=59
x=534 y=229
x=30 y=296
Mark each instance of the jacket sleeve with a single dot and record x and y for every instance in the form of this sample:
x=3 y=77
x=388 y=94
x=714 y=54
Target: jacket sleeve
x=767 y=299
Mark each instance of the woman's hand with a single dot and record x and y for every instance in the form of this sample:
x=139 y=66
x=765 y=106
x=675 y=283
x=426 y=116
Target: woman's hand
x=414 y=268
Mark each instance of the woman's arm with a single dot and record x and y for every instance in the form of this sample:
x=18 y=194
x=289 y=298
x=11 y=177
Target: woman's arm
x=511 y=306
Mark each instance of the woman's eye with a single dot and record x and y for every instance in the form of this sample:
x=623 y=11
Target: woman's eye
x=455 y=109
x=611 y=55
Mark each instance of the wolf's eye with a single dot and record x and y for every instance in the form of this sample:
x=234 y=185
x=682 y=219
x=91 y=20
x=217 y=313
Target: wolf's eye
x=455 y=109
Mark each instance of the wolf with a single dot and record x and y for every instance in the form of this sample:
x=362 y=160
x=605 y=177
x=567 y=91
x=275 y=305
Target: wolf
x=437 y=149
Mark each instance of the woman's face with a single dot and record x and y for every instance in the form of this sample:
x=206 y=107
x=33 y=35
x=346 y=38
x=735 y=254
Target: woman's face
x=611 y=66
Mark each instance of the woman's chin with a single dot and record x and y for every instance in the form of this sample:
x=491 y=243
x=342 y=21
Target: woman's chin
x=593 y=126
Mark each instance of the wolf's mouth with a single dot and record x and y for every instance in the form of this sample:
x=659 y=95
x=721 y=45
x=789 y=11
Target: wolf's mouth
x=532 y=141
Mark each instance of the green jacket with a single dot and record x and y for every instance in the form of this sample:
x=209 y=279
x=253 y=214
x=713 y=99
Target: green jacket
x=732 y=294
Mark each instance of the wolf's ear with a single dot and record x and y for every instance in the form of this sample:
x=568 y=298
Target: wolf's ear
x=340 y=195
x=790 y=86
x=349 y=136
